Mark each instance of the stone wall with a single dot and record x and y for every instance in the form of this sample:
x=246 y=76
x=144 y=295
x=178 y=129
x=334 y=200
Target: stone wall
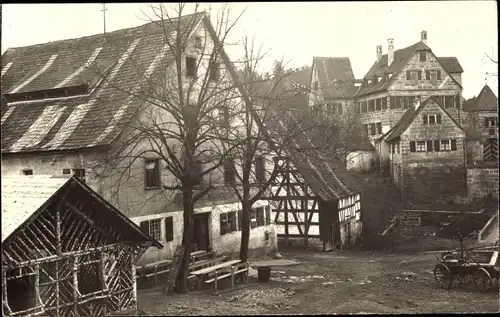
x=482 y=181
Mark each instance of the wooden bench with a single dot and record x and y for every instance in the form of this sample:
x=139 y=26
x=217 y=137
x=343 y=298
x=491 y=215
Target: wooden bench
x=215 y=270
x=239 y=268
x=157 y=268
x=200 y=255
x=204 y=264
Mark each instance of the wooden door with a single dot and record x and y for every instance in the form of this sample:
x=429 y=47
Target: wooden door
x=200 y=233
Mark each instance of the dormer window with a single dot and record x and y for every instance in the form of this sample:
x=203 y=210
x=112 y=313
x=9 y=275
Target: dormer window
x=49 y=93
x=423 y=56
x=198 y=42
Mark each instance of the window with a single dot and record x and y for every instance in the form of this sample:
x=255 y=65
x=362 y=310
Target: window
x=449 y=101
x=260 y=169
x=445 y=145
x=152 y=227
x=408 y=75
x=197 y=172
x=414 y=75
x=433 y=75
x=396 y=102
x=227 y=222
x=371 y=105
x=406 y=102
x=419 y=75
x=152 y=173
x=79 y=173
x=436 y=146
x=257 y=217
x=214 y=71
x=169 y=229
x=373 y=129
x=423 y=57
x=490 y=122
x=429 y=145
x=365 y=129
x=384 y=103
x=378 y=104
x=379 y=128
x=190 y=67
x=198 y=42
x=229 y=176
x=90 y=275
x=438 y=74
x=27 y=172
x=268 y=215
x=427 y=75
x=21 y=291
x=224 y=117
x=421 y=146
x=66 y=171
x=412 y=146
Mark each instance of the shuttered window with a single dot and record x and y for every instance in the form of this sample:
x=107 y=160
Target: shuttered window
x=436 y=146
x=449 y=101
x=429 y=145
x=412 y=146
x=419 y=75
x=425 y=120
x=427 y=75
x=378 y=104
x=438 y=74
x=438 y=118
x=453 y=145
x=169 y=229
x=384 y=103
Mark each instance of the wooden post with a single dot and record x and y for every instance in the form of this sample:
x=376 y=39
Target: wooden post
x=305 y=207
x=232 y=276
x=75 y=284
x=215 y=281
x=134 y=282
x=286 y=203
x=4 y=292
x=156 y=274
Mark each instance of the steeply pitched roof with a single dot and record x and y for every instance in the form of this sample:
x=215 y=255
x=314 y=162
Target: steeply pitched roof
x=409 y=116
x=401 y=58
x=24 y=196
x=335 y=75
x=125 y=56
x=326 y=176
x=485 y=101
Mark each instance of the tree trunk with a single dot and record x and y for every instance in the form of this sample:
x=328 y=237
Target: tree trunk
x=245 y=224
x=187 y=239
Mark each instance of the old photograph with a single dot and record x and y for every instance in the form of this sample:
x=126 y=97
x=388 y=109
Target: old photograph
x=261 y=158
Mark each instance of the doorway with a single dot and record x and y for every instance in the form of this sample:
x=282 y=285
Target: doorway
x=201 y=237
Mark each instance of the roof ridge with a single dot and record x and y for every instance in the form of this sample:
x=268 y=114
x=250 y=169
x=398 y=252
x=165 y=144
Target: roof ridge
x=97 y=35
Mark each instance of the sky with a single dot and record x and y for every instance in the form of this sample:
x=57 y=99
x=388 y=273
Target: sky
x=298 y=31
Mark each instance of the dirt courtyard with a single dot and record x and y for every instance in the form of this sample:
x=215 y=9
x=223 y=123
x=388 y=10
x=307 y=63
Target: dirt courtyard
x=337 y=282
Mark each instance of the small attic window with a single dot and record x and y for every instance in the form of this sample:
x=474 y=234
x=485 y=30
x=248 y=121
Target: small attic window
x=197 y=42
x=49 y=93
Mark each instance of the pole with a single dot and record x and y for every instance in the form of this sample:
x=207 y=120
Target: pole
x=104 y=16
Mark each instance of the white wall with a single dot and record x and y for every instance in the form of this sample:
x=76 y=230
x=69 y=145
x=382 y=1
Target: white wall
x=360 y=161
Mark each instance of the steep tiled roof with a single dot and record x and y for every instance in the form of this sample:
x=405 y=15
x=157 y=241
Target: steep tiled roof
x=401 y=58
x=335 y=75
x=126 y=56
x=485 y=101
x=23 y=196
x=326 y=176
x=408 y=118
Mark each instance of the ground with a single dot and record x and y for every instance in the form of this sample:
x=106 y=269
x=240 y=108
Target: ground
x=335 y=282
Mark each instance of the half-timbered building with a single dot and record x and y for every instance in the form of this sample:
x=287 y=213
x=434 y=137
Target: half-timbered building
x=65 y=250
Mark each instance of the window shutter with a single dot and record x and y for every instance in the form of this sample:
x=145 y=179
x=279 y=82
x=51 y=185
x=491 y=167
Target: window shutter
x=453 y=145
x=457 y=101
x=429 y=145
x=169 y=229
x=425 y=118
x=427 y=75
x=438 y=74
x=419 y=75
x=408 y=75
x=144 y=225
x=485 y=122
x=384 y=103
x=436 y=145
x=438 y=118
x=412 y=146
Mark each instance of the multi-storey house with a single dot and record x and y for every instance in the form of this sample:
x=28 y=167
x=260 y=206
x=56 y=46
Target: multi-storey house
x=400 y=79
x=481 y=125
x=332 y=90
x=70 y=103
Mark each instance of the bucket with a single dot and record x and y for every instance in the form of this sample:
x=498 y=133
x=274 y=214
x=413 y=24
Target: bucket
x=264 y=273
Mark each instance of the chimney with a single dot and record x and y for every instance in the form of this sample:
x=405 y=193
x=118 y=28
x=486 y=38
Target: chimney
x=379 y=52
x=390 y=51
x=423 y=37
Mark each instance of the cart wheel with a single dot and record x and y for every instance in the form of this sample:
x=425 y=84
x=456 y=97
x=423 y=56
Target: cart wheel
x=443 y=276
x=481 y=279
x=465 y=279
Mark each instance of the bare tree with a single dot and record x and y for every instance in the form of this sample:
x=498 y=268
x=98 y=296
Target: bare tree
x=177 y=105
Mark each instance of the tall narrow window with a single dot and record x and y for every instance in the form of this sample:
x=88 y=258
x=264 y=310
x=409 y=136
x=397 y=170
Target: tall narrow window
x=421 y=146
x=190 y=67
x=152 y=173
x=412 y=146
x=260 y=169
x=227 y=222
x=427 y=75
x=169 y=229
x=373 y=129
x=229 y=177
x=437 y=148
x=384 y=103
x=371 y=105
x=438 y=74
x=379 y=128
x=79 y=173
x=378 y=104
x=214 y=71
x=419 y=75
x=423 y=57
x=448 y=101
x=198 y=42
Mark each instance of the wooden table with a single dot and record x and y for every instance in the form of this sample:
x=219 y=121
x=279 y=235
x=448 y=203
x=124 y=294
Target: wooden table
x=203 y=272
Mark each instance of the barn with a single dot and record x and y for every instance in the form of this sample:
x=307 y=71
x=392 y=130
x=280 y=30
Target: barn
x=65 y=250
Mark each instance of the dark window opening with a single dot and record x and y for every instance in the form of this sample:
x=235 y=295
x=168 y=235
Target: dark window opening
x=423 y=57
x=89 y=277
x=413 y=148
x=27 y=172
x=432 y=119
x=51 y=93
x=214 y=71
x=152 y=173
x=384 y=103
x=257 y=218
x=429 y=145
x=169 y=229
x=66 y=171
x=21 y=292
x=227 y=222
x=438 y=74
x=224 y=117
x=190 y=67
x=379 y=128
x=79 y=173
x=260 y=169
x=198 y=42
x=378 y=104
x=449 y=101
x=268 y=215
x=229 y=176
x=371 y=105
